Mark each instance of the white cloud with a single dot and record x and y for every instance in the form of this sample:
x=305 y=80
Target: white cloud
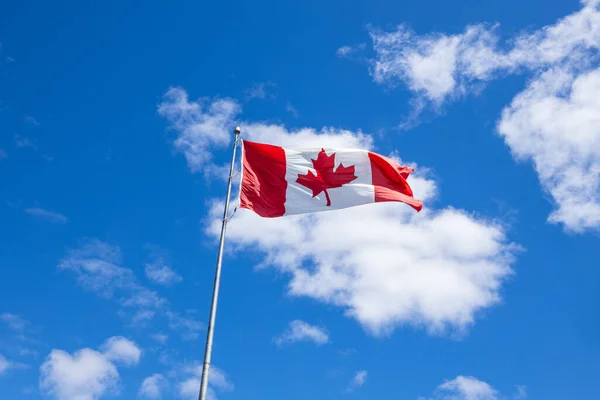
x=96 y=267
x=199 y=138
x=141 y=317
x=3 y=154
x=86 y=374
x=438 y=66
x=344 y=51
x=291 y=109
x=347 y=51
x=471 y=388
x=555 y=123
x=25 y=352
x=31 y=120
x=160 y=273
x=22 y=141
x=466 y=388
x=152 y=387
x=217 y=382
x=359 y=379
x=521 y=393
x=48 y=215
x=299 y=331
x=122 y=350
x=259 y=91
x=436 y=269
x=160 y=337
x=198 y=125
x=191 y=327
x=305 y=137
x=14 y=322
x=5 y=365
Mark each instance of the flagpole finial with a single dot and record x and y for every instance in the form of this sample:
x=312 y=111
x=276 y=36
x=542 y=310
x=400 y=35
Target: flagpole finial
x=237 y=130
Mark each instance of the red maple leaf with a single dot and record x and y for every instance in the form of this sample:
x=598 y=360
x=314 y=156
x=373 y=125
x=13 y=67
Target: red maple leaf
x=326 y=177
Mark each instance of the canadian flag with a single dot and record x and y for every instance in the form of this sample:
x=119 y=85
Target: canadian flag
x=278 y=181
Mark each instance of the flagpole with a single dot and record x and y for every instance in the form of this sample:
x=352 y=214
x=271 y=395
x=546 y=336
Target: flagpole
x=215 y=295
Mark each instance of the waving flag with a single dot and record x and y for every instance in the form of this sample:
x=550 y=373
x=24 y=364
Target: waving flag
x=279 y=181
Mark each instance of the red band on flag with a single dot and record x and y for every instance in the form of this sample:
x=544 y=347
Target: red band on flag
x=389 y=179
x=264 y=186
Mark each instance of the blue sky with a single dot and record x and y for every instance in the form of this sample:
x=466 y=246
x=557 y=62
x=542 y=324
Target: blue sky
x=115 y=130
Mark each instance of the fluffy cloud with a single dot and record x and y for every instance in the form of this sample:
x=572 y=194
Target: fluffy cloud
x=470 y=388
x=299 y=331
x=199 y=124
x=152 y=387
x=217 y=382
x=435 y=269
x=96 y=267
x=87 y=374
x=553 y=122
x=438 y=66
x=122 y=350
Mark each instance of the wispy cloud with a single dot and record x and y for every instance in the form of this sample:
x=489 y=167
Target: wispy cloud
x=22 y=141
x=47 y=215
x=31 y=120
x=259 y=91
x=6 y=365
x=199 y=126
x=158 y=271
x=190 y=326
x=218 y=382
x=359 y=379
x=160 y=337
x=348 y=51
x=14 y=322
x=291 y=109
x=347 y=352
x=3 y=154
x=96 y=267
x=300 y=331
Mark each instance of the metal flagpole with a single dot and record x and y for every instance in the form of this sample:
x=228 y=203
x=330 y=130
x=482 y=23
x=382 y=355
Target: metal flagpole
x=215 y=295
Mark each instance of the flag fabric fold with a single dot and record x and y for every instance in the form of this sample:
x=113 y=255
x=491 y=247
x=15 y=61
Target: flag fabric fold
x=279 y=181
